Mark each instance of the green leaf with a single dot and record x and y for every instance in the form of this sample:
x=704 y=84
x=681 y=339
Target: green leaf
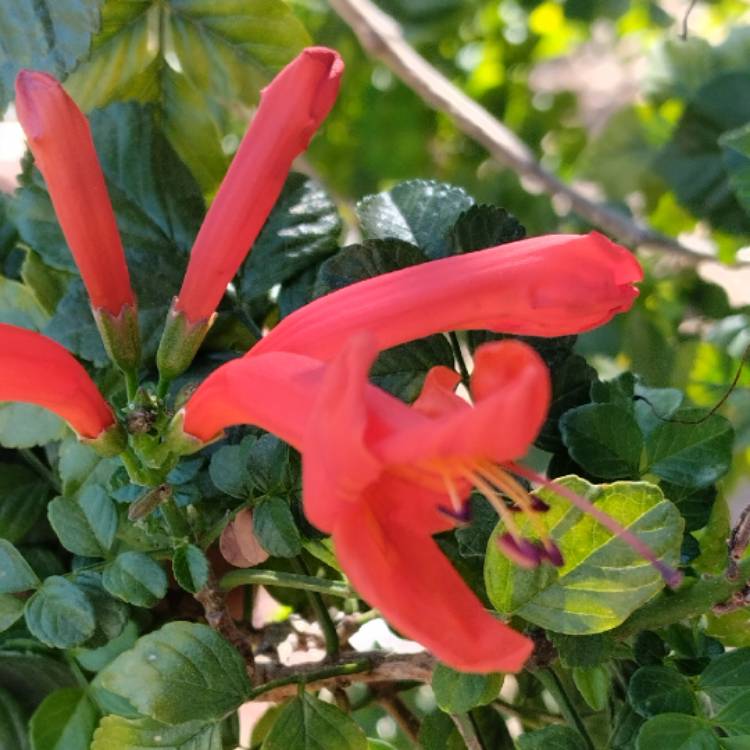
x=60 y=615
x=12 y=724
x=87 y=525
x=95 y=659
x=190 y=568
x=655 y=405
x=658 y=690
x=472 y=538
x=691 y=455
x=65 y=720
x=19 y=305
x=602 y=580
x=117 y=733
x=111 y=614
x=727 y=678
x=552 y=738
x=228 y=468
x=135 y=578
x=182 y=672
x=30 y=677
x=694 y=503
x=15 y=573
x=593 y=685
x=158 y=207
x=483 y=226
x=307 y=722
x=736 y=152
x=26 y=426
x=677 y=732
x=50 y=35
x=732 y=628
x=11 y=610
x=457 y=692
x=271 y=467
x=583 y=650
x=421 y=212
x=302 y=230
x=604 y=439
x=274 y=527
x=22 y=498
x=438 y=732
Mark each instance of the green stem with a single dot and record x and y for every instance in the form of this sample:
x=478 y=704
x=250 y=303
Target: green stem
x=690 y=601
x=131 y=384
x=352 y=667
x=468 y=731
x=162 y=387
x=251 y=576
x=175 y=520
x=458 y=354
x=41 y=468
x=321 y=612
x=554 y=686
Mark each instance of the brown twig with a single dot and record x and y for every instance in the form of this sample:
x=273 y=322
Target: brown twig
x=738 y=543
x=382 y=38
x=400 y=712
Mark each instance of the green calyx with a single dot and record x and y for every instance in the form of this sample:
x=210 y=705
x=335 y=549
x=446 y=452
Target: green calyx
x=179 y=343
x=121 y=336
x=110 y=442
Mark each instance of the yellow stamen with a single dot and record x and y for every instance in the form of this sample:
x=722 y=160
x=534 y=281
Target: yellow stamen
x=491 y=495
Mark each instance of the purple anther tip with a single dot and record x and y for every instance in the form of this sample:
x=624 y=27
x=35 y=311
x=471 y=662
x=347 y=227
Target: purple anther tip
x=462 y=516
x=520 y=551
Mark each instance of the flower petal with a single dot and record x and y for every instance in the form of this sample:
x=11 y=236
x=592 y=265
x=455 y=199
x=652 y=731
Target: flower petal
x=543 y=286
x=291 y=109
x=402 y=572
x=437 y=396
x=39 y=371
x=60 y=139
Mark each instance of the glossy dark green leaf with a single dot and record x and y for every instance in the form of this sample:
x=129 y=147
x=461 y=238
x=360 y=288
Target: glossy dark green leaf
x=228 y=468
x=677 y=732
x=180 y=673
x=603 y=580
x=30 y=677
x=271 y=467
x=484 y=226
x=302 y=230
x=50 y=35
x=695 y=503
x=691 y=455
x=473 y=537
x=603 y=438
x=438 y=732
x=15 y=573
x=659 y=690
x=552 y=738
x=111 y=614
x=86 y=525
x=190 y=568
x=308 y=722
x=457 y=692
x=275 y=529
x=13 y=734
x=65 y=720
x=135 y=578
x=117 y=733
x=60 y=614
x=22 y=498
x=727 y=677
x=583 y=650
x=654 y=406
x=421 y=212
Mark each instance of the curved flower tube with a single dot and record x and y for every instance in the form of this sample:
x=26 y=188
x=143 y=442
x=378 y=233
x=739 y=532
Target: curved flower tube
x=39 y=371
x=60 y=138
x=291 y=109
x=544 y=286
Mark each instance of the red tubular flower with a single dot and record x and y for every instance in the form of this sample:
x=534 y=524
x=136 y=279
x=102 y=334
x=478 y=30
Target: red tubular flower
x=544 y=286
x=39 y=371
x=291 y=109
x=60 y=139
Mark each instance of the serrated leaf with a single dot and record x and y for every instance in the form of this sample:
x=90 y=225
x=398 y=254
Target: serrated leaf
x=301 y=231
x=65 y=720
x=111 y=614
x=604 y=439
x=691 y=455
x=458 y=692
x=602 y=580
x=275 y=529
x=49 y=35
x=86 y=525
x=60 y=615
x=190 y=568
x=307 y=722
x=26 y=426
x=677 y=732
x=552 y=738
x=270 y=466
x=13 y=734
x=11 y=610
x=22 y=498
x=228 y=468
x=484 y=226
x=182 y=672
x=421 y=212
x=656 y=690
x=15 y=573
x=135 y=578
x=117 y=733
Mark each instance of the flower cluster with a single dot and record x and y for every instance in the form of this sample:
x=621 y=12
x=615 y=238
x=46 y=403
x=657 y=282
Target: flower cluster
x=380 y=476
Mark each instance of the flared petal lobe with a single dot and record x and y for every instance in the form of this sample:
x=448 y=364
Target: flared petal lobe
x=60 y=138
x=402 y=572
x=39 y=371
x=291 y=109
x=544 y=286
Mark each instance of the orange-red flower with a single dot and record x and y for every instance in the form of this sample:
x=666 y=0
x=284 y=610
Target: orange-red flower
x=291 y=109
x=60 y=139
x=39 y=371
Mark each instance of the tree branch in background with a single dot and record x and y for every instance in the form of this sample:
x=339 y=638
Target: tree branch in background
x=382 y=38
